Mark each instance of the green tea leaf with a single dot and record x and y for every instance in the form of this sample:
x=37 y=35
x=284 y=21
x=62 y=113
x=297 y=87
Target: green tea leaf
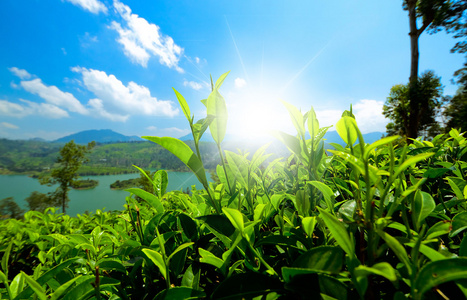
x=235 y=217
x=313 y=124
x=410 y=162
x=161 y=180
x=179 y=248
x=328 y=194
x=457 y=185
x=50 y=274
x=297 y=118
x=184 y=105
x=459 y=223
x=383 y=269
x=423 y=206
x=308 y=225
x=438 y=272
x=216 y=107
x=35 y=286
x=221 y=80
x=209 y=258
x=184 y=153
x=148 y=197
x=346 y=127
x=397 y=248
x=157 y=259
x=338 y=231
x=292 y=143
x=200 y=127
x=323 y=258
x=64 y=287
x=379 y=143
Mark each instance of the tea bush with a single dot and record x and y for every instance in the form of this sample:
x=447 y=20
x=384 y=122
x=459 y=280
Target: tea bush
x=373 y=221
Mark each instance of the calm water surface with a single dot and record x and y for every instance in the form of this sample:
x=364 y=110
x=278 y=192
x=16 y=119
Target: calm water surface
x=21 y=186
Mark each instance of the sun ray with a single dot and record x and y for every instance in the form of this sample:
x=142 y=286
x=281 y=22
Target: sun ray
x=236 y=48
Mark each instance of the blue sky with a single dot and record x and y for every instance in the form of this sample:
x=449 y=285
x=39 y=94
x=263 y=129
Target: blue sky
x=73 y=65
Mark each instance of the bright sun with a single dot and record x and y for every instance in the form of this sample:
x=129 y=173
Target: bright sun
x=255 y=116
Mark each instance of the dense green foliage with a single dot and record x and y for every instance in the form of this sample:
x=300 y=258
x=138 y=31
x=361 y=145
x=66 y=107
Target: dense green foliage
x=373 y=221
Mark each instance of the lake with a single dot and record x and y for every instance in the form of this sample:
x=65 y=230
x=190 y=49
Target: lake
x=21 y=186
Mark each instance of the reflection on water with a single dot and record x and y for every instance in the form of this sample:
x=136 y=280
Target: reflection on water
x=21 y=186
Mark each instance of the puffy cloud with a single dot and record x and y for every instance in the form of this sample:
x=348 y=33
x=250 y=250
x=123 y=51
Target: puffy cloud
x=193 y=84
x=94 y=6
x=54 y=96
x=121 y=101
x=368 y=114
x=23 y=74
x=240 y=82
x=31 y=108
x=97 y=109
x=8 y=125
x=141 y=39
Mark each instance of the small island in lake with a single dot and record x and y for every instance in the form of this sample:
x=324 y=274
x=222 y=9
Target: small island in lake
x=125 y=184
x=85 y=184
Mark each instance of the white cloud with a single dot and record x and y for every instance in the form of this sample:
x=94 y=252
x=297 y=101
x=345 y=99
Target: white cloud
x=97 y=108
x=23 y=74
x=197 y=60
x=8 y=125
x=193 y=84
x=94 y=6
x=54 y=96
x=31 y=108
x=173 y=131
x=121 y=101
x=87 y=40
x=368 y=114
x=141 y=39
x=152 y=128
x=240 y=82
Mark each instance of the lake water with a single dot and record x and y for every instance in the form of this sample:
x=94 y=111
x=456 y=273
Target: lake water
x=21 y=186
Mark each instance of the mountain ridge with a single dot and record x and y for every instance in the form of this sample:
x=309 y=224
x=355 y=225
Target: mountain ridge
x=99 y=136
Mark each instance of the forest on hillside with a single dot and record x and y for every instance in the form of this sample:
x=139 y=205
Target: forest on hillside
x=35 y=157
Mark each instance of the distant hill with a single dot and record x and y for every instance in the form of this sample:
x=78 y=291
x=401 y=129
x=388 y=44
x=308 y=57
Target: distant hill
x=99 y=136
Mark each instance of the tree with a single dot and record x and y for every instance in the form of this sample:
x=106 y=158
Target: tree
x=8 y=207
x=70 y=160
x=399 y=109
x=39 y=201
x=456 y=111
x=433 y=14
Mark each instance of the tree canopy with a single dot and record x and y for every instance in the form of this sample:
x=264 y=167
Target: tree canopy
x=70 y=159
x=397 y=107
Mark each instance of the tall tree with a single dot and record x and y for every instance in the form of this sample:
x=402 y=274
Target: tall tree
x=398 y=106
x=433 y=15
x=456 y=111
x=39 y=201
x=70 y=160
x=9 y=208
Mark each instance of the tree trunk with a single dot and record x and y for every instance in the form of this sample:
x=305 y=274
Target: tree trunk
x=412 y=130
